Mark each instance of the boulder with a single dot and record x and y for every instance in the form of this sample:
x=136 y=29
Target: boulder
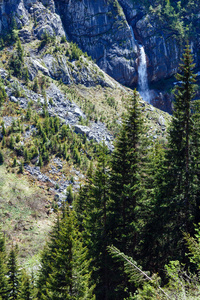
x=84 y=130
x=25 y=35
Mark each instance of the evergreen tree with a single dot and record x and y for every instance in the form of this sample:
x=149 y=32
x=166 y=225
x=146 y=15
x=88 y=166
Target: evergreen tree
x=95 y=223
x=36 y=85
x=180 y=135
x=24 y=287
x=176 y=204
x=1 y=158
x=64 y=268
x=3 y=94
x=81 y=203
x=128 y=181
x=3 y=270
x=13 y=274
x=20 y=51
x=195 y=159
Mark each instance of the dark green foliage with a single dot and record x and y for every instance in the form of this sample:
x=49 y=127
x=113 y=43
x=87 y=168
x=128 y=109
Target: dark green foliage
x=3 y=130
x=21 y=167
x=46 y=39
x=40 y=162
x=91 y=209
x=177 y=194
x=3 y=94
x=63 y=39
x=172 y=17
x=9 y=36
x=127 y=208
x=82 y=201
x=70 y=195
x=3 y=142
x=127 y=179
x=15 y=65
x=26 y=156
x=20 y=51
x=13 y=274
x=28 y=114
x=12 y=142
x=74 y=52
x=14 y=161
x=26 y=75
x=36 y=85
x=25 y=289
x=1 y=158
x=17 y=138
x=64 y=268
x=17 y=60
x=3 y=269
x=112 y=205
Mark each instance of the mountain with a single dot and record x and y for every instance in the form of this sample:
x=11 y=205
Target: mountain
x=57 y=104
x=113 y=34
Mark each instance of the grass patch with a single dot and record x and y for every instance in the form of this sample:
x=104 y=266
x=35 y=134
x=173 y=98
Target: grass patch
x=23 y=213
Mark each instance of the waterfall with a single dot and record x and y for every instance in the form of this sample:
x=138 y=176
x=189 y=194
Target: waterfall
x=142 y=76
x=192 y=47
x=165 y=48
x=133 y=41
x=142 y=69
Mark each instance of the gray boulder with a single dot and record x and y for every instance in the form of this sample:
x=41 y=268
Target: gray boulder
x=84 y=130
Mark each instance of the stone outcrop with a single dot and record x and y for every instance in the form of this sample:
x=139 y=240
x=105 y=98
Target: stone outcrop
x=101 y=29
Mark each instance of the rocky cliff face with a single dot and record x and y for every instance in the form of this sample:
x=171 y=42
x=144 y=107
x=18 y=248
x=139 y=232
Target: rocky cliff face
x=111 y=32
x=100 y=28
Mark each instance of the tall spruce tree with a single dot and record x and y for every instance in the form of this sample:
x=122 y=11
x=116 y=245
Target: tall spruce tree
x=128 y=185
x=95 y=224
x=180 y=152
x=176 y=205
x=128 y=164
x=3 y=269
x=13 y=274
x=25 y=290
x=81 y=202
x=195 y=160
x=64 y=272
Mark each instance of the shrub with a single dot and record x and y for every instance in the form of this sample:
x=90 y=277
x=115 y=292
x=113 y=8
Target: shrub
x=14 y=161
x=1 y=158
x=36 y=87
x=21 y=167
x=63 y=39
x=70 y=195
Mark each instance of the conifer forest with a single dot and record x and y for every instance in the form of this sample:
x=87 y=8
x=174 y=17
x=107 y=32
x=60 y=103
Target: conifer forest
x=99 y=150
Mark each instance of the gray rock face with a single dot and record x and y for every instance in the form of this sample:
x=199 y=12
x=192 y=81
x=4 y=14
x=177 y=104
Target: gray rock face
x=25 y=35
x=100 y=28
x=87 y=73
x=110 y=31
x=163 y=53
x=34 y=66
x=46 y=20
x=21 y=15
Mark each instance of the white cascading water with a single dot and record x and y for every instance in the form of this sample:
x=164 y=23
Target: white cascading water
x=142 y=76
x=133 y=41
